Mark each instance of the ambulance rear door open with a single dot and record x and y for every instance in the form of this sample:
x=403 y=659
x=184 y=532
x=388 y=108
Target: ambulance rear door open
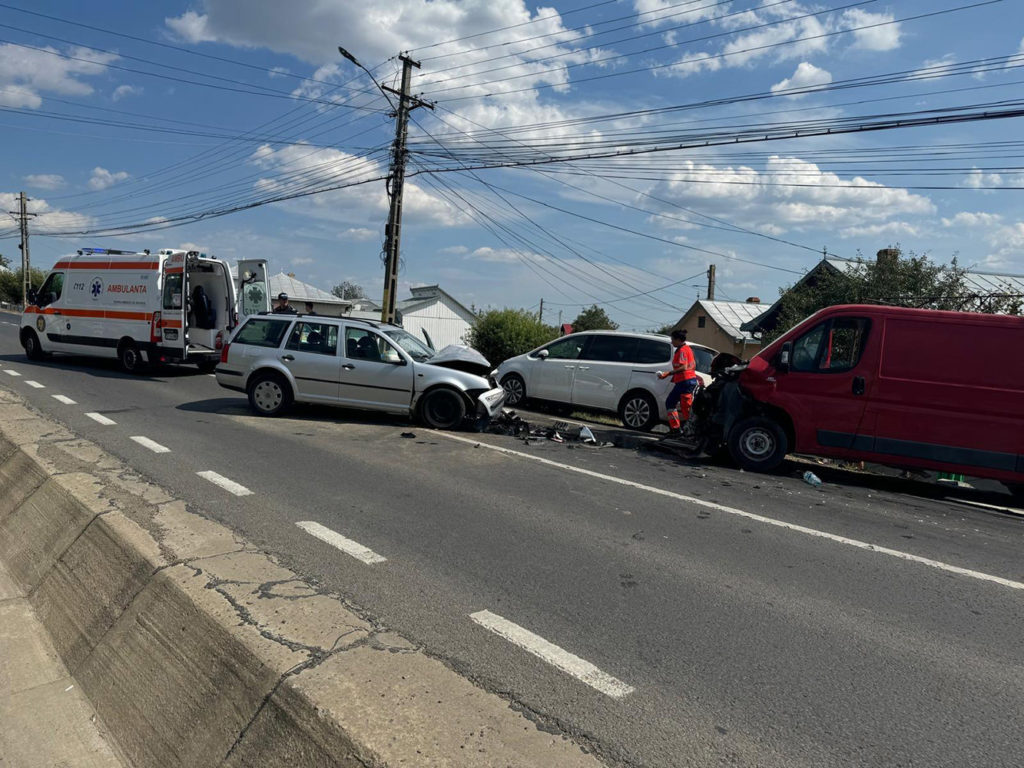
x=170 y=328
x=252 y=288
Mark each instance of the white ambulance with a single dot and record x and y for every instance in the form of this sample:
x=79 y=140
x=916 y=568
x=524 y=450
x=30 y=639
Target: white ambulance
x=170 y=306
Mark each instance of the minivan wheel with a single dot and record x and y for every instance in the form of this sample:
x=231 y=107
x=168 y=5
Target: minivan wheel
x=639 y=410
x=269 y=394
x=758 y=444
x=515 y=389
x=442 y=409
x=31 y=344
x=129 y=357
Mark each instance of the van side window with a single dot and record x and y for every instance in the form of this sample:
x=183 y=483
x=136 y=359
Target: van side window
x=831 y=347
x=610 y=349
x=260 y=332
x=318 y=338
x=565 y=349
x=52 y=289
x=649 y=352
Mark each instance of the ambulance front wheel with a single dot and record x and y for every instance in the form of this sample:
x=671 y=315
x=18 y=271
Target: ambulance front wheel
x=30 y=342
x=129 y=357
x=269 y=394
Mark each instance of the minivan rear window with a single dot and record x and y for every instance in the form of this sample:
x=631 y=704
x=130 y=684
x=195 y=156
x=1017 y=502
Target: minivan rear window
x=610 y=349
x=650 y=351
x=262 y=332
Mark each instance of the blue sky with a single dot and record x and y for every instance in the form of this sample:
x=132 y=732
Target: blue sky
x=132 y=116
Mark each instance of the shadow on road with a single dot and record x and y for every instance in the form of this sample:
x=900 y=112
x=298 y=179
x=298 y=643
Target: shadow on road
x=239 y=406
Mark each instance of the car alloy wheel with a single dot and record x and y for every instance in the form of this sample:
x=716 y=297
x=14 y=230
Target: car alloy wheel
x=515 y=389
x=637 y=412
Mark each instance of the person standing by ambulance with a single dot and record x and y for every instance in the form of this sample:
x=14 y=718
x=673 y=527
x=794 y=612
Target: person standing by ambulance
x=684 y=378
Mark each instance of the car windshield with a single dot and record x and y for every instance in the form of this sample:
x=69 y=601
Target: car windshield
x=416 y=349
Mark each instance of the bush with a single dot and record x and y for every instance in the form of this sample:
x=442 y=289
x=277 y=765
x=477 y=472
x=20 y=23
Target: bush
x=499 y=334
x=594 y=318
x=10 y=283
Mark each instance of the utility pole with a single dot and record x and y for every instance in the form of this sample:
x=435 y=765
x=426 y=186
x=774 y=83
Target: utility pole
x=540 y=315
x=26 y=276
x=711 y=283
x=396 y=183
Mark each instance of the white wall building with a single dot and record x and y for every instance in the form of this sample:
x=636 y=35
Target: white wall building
x=432 y=310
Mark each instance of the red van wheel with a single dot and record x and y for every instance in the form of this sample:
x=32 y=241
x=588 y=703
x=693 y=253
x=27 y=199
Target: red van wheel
x=758 y=444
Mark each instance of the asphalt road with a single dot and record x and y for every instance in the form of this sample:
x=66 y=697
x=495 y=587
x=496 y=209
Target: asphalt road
x=690 y=614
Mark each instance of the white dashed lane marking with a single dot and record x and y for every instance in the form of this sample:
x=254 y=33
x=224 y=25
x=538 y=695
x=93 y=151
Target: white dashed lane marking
x=145 y=442
x=228 y=485
x=11 y=372
x=938 y=564
x=99 y=418
x=64 y=399
x=349 y=547
x=35 y=384
x=570 y=664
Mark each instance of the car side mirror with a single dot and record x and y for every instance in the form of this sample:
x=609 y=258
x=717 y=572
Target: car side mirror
x=543 y=354
x=33 y=296
x=785 y=355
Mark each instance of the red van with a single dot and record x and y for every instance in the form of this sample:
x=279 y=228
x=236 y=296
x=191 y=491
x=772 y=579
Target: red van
x=911 y=388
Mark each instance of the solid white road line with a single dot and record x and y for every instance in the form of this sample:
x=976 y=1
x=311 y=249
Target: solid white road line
x=349 y=547
x=64 y=399
x=11 y=372
x=99 y=418
x=228 y=485
x=552 y=654
x=35 y=384
x=145 y=442
x=751 y=516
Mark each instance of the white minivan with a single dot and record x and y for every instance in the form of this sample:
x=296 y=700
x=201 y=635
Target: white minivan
x=602 y=371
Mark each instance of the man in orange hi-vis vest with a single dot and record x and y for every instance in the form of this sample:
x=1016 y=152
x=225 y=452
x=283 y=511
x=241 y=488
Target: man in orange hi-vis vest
x=684 y=376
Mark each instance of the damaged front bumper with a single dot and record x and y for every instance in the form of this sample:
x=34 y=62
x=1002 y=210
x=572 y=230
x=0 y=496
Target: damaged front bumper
x=490 y=403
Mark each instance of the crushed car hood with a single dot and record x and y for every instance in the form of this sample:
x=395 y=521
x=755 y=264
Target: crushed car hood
x=461 y=358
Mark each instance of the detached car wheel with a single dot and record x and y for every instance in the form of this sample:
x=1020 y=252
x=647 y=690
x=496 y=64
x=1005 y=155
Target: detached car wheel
x=639 y=410
x=31 y=344
x=515 y=389
x=758 y=444
x=442 y=409
x=269 y=394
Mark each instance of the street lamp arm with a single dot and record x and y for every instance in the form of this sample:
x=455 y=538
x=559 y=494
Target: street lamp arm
x=345 y=54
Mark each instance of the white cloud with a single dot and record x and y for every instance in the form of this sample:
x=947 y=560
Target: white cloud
x=978 y=179
x=102 y=178
x=890 y=229
x=45 y=181
x=805 y=76
x=26 y=74
x=191 y=27
x=501 y=255
x=967 y=219
x=300 y=261
x=881 y=34
x=124 y=91
x=47 y=218
x=770 y=202
x=1007 y=243
x=359 y=234
x=454 y=250
x=356 y=205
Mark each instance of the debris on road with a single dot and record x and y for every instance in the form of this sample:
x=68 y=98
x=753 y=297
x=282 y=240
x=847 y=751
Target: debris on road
x=812 y=479
x=408 y=434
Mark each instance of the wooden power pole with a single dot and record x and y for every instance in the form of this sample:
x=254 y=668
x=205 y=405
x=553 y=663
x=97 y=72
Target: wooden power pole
x=711 y=283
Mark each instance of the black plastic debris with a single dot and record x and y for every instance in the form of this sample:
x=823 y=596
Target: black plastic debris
x=408 y=434
x=509 y=423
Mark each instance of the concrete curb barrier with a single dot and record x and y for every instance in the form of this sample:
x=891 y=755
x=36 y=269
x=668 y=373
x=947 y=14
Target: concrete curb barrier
x=198 y=650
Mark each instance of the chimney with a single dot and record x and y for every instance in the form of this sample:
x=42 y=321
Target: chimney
x=888 y=256
x=753 y=300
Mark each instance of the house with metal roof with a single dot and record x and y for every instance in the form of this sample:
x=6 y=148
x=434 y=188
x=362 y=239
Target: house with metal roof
x=717 y=324
x=299 y=293
x=433 y=312
x=980 y=285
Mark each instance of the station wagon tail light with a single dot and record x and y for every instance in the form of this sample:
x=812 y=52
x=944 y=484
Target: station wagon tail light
x=224 y=353
x=219 y=341
x=155 y=330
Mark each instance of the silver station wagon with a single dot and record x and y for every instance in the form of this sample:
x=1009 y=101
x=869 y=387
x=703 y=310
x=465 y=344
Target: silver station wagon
x=280 y=359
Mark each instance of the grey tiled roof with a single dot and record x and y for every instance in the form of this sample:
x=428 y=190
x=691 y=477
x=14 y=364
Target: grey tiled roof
x=730 y=315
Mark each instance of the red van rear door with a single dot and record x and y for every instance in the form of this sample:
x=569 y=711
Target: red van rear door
x=827 y=386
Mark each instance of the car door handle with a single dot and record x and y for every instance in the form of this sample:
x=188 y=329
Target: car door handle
x=348 y=367
x=570 y=366
x=858 y=385
x=288 y=358
x=56 y=312
x=583 y=367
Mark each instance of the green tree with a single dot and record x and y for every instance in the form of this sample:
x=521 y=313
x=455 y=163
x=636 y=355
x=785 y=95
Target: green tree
x=913 y=281
x=349 y=290
x=665 y=330
x=4 y=262
x=10 y=283
x=593 y=319
x=499 y=334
